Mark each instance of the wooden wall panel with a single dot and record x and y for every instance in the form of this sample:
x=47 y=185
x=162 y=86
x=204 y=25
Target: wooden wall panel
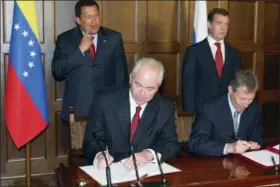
x=247 y=60
x=272 y=20
x=270 y=92
x=121 y=22
x=162 y=21
x=271 y=48
x=242 y=21
x=170 y=63
x=60 y=149
x=59 y=90
x=64 y=20
x=131 y=59
x=271 y=119
x=165 y=37
x=271 y=71
x=159 y=29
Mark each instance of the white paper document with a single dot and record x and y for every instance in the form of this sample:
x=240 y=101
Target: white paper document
x=119 y=173
x=263 y=157
x=277 y=147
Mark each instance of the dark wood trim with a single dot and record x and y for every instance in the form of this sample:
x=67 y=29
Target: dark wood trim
x=270 y=96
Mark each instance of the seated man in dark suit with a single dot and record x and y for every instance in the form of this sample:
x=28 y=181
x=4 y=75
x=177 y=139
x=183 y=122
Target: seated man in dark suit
x=230 y=123
x=137 y=116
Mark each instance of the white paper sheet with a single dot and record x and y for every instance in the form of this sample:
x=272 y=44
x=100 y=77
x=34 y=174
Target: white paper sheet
x=263 y=157
x=119 y=173
x=277 y=147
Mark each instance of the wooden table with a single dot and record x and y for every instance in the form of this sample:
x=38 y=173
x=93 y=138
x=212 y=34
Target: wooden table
x=196 y=171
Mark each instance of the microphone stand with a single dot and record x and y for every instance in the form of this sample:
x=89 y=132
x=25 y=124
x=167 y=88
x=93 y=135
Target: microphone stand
x=108 y=171
x=139 y=184
x=163 y=183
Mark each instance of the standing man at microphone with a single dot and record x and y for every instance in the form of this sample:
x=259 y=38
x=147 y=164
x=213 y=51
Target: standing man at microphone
x=90 y=59
x=137 y=117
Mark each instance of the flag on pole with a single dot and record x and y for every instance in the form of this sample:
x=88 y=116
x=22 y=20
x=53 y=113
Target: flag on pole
x=200 y=30
x=26 y=109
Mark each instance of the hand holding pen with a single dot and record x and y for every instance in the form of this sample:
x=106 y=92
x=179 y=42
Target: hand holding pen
x=101 y=160
x=240 y=146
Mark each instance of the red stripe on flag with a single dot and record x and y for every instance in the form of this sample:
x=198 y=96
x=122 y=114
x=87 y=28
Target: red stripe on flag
x=23 y=119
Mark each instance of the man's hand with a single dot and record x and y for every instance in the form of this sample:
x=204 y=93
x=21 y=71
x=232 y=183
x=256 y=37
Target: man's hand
x=85 y=43
x=254 y=145
x=101 y=163
x=142 y=158
x=238 y=147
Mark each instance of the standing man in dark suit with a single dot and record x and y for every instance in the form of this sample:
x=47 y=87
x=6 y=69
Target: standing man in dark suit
x=137 y=116
x=89 y=58
x=229 y=123
x=209 y=65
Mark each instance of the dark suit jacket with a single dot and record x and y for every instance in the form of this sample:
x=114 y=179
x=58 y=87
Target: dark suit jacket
x=110 y=121
x=213 y=127
x=200 y=79
x=84 y=76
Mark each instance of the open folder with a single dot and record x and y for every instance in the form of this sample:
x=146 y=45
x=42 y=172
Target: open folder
x=275 y=148
x=264 y=157
x=119 y=173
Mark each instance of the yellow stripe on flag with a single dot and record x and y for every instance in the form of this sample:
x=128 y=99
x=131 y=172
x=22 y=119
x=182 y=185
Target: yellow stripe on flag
x=28 y=9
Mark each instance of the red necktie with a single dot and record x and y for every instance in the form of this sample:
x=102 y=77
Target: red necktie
x=92 y=49
x=135 y=121
x=219 y=59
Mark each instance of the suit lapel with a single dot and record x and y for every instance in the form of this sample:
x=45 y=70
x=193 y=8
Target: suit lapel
x=146 y=119
x=101 y=47
x=77 y=36
x=227 y=120
x=124 y=113
x=243 y=125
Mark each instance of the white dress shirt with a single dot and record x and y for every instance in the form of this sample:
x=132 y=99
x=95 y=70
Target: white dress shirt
x=133 y=106
x=214 y=48
x=232 y=109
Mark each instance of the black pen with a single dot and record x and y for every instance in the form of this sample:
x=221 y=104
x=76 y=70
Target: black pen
x=274 y=163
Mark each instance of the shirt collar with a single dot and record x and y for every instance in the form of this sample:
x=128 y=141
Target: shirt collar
x=232 y=109
x=212 y=41
x=133 y=103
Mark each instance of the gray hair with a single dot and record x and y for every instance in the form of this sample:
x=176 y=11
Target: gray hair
x=247 y=79
x=152 y=63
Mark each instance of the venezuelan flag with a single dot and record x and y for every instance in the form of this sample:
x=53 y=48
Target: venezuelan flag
x=26 y=110
x=200 y=30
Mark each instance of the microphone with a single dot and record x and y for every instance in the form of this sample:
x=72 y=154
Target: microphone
x=108 y=171
x=139 y=184
x=165 y=183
